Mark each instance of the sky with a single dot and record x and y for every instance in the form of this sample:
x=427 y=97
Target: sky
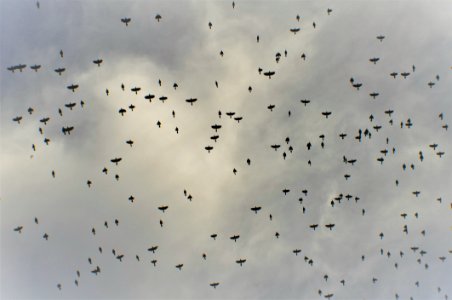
x=162 y=164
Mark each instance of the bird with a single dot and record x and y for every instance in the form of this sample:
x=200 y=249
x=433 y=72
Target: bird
x=126 y=21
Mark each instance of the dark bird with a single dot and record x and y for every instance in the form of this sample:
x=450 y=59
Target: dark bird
x=116 y=160
x=67 y=130
x=374 y=95
x=296 y=251
x=20 y=67
x=374 y=60
x=120 y=257
x=163 y=208
x=60 y=70
x=191 y=100
x=18 y=229
x=256 y=209
x=35 y=67
x=70 y=105
x=240 y=261
x=351 y=161
x=305 y=101
x=216 y=127
x=135 y=90
x=158 y=17
x=214 y=284
x=294 y=30
x=179 y=266
x=329 y=226
x=149 y=97
x=230 y=114
x=98 y=62
x=405 y=74
x=235 y=237
x=208 y=148
x=314 y=226
x=153 y=248
x=96 y=270
x=126 y=21
x=389 y=112
x=357 y=85
x=269 y=74
x=380 y=38
x=326 y=114
x=72 y=87
x=17 y=119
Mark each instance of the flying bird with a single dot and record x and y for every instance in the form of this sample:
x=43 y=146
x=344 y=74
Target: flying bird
x=98 y=62
x=256 y=209
x=60 y=70
x=240 y=261
x=35 y=67
x=72 y=87
x=126 y=21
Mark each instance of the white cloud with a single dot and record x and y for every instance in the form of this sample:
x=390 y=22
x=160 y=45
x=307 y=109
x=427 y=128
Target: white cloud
x=162 y=164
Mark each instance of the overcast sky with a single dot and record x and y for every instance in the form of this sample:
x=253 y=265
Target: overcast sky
x=161 y=164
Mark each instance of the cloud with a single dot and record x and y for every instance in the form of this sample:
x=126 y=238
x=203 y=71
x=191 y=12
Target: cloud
x=161 y=164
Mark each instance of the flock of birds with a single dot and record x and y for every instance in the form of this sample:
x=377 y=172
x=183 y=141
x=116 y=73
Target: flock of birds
x=285 y=149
